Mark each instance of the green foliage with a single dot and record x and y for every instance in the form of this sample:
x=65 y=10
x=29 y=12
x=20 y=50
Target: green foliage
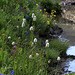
x=59 y=46
x=52 y=53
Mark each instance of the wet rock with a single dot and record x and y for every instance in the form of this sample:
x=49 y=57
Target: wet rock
x=55 y=27
x=51 y=31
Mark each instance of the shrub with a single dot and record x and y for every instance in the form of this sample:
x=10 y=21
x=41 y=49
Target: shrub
x=59 y=46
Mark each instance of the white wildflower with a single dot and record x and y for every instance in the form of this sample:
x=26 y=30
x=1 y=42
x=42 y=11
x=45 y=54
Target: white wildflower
x=49 y=60
x=23 y=23
x=13 y=43
x=35 y=40
x=9 y=37
x=24 y=20
x=34 y=18
x=37 y=54
x=30 y=56
x=33 y=15
x=17 y=26
x=58 y=58
x=31 y=28
x=46 y=41
x=47 y=44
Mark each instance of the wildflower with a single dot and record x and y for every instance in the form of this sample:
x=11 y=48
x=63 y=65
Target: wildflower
x=49 y=60
x=23 y=24
x=40 y=7
x=20 y=7
x=54 y=20
x=33 y=15
x=28 y=17
x=47 y=44
x=26 y=32
x=44 y=9
x=3 y=34
x=46 y=41
x=13 y=43
x=12 y=72
x=1 y=74
x=37 y=54
x=30 y=56
x=54 y=15
x=35 y=40
x=34 y=18
x=54 y=11
x=11 y=56
x=13 y=51
x=48 y=22
x=58 y=58
x=46 y=12
x=9 y=37
x=14 y=47
x=17 y=26
x=31 y=28
x=36 y=4
x=40 y=10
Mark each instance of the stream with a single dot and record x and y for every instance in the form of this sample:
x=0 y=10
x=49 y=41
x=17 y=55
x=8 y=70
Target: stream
x=68 y=65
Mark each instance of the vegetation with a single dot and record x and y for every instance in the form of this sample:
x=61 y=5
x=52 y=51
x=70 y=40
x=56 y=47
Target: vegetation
x=21 y=52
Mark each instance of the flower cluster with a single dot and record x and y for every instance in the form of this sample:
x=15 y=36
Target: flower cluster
x=34 y=17
x=23 y=23
x=47 y=43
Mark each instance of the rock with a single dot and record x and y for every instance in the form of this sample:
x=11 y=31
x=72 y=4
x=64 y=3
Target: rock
x=55 y=27
x=51 y=31
x=55 y=36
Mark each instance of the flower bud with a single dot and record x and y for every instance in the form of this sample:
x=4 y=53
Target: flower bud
x=31 y=28
x=13 y=43
x=17 y=26
x=35 y=39
x=30 y=56
x=24 y=20
x=46 y=41
x=49 y=60
x=33 y=15
x=37 y=54
x=34 y=18
x=9 y=37
x=58 y=59
x=47 y=44
x=23 y=24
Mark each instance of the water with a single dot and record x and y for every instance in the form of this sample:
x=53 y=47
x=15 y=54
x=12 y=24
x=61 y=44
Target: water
x=71 y=51
x=68 y=35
